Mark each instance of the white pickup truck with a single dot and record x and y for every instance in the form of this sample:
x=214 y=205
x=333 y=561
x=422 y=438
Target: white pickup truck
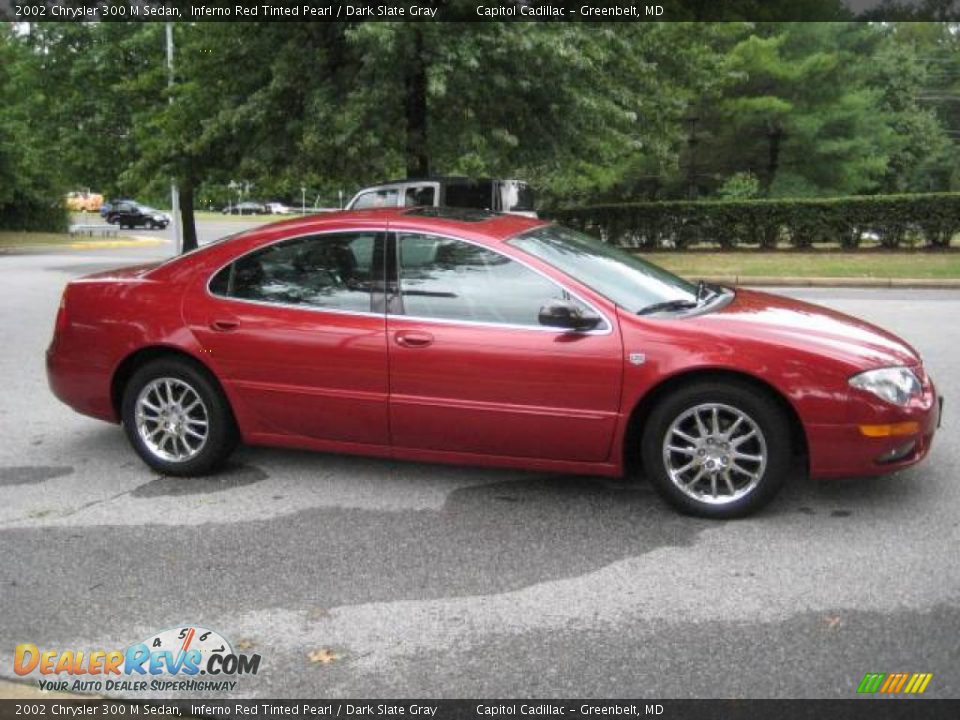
x=507 y=196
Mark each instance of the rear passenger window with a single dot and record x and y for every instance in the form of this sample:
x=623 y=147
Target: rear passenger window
x=324 y=271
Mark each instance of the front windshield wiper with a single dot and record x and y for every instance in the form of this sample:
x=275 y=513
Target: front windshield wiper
x=705 y=293
x=667 y=306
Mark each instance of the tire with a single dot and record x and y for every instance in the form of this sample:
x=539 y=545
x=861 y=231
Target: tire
x=181 y=452
x=752 y=449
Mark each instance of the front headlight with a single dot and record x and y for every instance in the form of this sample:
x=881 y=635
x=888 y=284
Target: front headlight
x=893 y=384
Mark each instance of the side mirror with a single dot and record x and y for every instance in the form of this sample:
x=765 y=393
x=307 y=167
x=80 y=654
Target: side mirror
x=566 y=315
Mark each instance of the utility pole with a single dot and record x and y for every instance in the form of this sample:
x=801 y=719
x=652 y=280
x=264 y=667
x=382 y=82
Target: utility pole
x=692 y=142
x=174 y=191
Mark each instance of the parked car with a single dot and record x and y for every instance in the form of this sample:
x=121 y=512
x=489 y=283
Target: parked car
x=509 y=196
x=278 y=208
x=245 y=208
x=486 y=339
x=132 y=214
x=109 y=205
x=84 y=201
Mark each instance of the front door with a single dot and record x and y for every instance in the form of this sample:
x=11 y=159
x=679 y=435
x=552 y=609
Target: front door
x=473 y=371
x=291 y=330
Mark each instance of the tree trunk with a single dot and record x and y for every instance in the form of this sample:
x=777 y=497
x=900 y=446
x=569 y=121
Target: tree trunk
x=418 y=161
x=189 y=221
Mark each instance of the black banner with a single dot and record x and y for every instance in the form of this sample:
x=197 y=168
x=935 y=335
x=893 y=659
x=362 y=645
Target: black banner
x=477 y=10
x=885 y=709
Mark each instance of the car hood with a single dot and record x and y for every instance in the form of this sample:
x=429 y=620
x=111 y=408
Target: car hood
x=793 y=323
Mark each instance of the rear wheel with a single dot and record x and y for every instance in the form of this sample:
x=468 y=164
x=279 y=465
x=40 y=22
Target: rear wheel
x=177 y=419
x=717 y=450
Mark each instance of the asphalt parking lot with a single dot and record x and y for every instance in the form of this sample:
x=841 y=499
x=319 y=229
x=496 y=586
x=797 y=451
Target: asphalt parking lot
x=435 y=581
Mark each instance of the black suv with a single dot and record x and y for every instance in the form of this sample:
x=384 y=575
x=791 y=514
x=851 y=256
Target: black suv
x=129 y=214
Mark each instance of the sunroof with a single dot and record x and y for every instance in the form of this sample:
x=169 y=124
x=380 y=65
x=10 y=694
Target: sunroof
x=452 y=213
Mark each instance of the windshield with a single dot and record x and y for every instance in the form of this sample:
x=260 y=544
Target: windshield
x=618 y=275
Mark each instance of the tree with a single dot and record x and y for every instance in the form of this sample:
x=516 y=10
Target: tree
x=31 y=188
x=800 y=113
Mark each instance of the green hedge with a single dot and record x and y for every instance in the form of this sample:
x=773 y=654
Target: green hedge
x=892 y=220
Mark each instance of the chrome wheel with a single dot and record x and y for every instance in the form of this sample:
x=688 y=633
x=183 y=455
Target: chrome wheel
x=171 y=419
x=714 y=453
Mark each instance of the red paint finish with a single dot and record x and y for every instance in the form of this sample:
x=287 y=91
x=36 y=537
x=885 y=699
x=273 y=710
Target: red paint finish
x=295 y=371
x=484 y=394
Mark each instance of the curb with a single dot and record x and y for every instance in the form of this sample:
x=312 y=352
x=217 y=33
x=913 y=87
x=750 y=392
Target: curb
x=835 y=282
x=130 y=242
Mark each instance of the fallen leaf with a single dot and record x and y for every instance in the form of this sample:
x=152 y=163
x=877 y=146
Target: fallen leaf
x=325 y=656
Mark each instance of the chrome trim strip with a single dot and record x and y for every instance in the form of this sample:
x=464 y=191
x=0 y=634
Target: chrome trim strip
x=607 y=328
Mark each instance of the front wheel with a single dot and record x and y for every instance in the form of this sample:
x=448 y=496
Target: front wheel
x=176 y=418
x=717 y=450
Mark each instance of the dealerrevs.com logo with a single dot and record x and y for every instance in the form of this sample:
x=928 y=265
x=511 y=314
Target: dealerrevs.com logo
x=189 y=658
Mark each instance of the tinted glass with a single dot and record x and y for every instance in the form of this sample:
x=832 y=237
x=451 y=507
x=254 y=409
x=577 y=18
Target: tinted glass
x=376 y=199
x=419 y=195
x=326 y=271
x=617 y=274
x=470 y=194
x=452 y=280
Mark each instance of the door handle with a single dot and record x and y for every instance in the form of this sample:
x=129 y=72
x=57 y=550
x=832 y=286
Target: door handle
x=413 y=339
x=224 y=325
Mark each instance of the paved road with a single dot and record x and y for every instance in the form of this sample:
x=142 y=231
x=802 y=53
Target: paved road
x=448 y=582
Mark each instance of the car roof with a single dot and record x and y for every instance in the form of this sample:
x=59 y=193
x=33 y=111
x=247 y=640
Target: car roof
x=472 y=224
x=490 y=229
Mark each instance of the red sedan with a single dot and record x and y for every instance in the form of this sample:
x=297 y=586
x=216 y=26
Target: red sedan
x=460 y=336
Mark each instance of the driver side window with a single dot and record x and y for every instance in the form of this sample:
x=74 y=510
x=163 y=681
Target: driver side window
x=442 y=278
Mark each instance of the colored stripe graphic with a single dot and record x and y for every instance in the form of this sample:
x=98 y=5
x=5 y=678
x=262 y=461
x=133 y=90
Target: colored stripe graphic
x=871 y=682
x=894 y=683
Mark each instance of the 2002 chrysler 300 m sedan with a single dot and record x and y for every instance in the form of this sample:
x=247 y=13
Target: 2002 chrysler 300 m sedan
x=461 y=336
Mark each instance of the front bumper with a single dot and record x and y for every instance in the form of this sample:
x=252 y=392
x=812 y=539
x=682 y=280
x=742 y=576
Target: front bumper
x=843 y=450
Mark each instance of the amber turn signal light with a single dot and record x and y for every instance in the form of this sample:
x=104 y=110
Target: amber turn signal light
x=902 y=428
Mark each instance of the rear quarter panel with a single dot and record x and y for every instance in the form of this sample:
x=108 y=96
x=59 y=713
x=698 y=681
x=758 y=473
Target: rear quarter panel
x=108 y=319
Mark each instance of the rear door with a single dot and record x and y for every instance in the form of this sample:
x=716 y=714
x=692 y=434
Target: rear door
x=291 y=329
x=473 y=371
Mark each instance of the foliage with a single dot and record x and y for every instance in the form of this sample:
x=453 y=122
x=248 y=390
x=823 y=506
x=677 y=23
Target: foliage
x=894 y=220
x=587 y=112
x=30 y=187
x=739 y=186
